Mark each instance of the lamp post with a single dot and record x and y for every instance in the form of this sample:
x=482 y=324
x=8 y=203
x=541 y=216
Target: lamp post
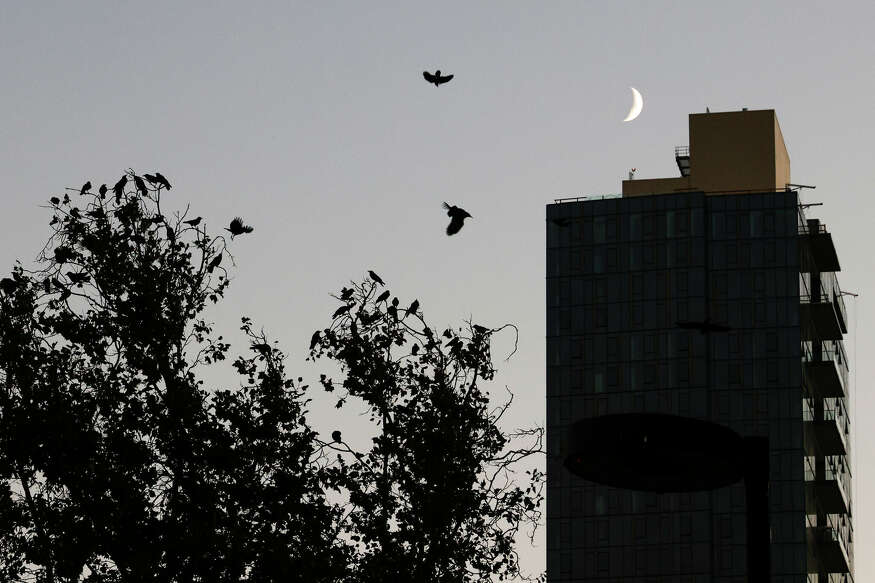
x=667 y=453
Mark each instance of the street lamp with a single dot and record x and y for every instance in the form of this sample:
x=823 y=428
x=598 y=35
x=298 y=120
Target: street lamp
x=667 y=453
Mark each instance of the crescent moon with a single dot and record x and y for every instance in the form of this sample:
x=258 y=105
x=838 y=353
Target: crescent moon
x=637 y=105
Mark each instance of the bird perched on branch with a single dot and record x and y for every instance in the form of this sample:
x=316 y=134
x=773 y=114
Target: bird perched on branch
x=457 y=216
x=162 y=181
x=214 y=263
x=437 y=78
x=194 y=222
x=141 y=185
x=335 y=435
x=238 y=228
x=119 y=188
x=375 y=277
x=412 y=308
x=102 y=191
x=85 y=187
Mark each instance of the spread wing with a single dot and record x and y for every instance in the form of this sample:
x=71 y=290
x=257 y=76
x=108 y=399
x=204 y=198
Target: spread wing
x=444 y=78
x=429 y=77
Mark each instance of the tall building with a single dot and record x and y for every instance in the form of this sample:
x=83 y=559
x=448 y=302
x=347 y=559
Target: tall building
x=726 y=242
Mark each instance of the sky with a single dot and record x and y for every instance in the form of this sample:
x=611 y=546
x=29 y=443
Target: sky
x=313 y=122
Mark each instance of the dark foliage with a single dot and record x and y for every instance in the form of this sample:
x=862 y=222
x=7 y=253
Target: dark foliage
x=115 y=461
x=433 y=499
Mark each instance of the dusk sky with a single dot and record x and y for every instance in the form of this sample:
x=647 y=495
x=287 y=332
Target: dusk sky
x=314 y=123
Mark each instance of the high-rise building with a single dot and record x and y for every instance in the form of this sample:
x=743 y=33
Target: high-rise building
x=727 y=242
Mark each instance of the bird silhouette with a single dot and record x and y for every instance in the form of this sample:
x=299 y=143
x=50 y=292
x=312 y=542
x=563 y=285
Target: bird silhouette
x=335 y=435
x=705 y=327
x=314 y=340
x=141 y=185
x=102 y=190
x=457 y=216
x=437 y=78
x=383 y=296
x=194 y=222
x=214 y=263
x=151 y=178
x=55 y=200
x=85 y=187
x=341 y=311
x=412 y=308
x=119 y=189
x=375 y=277
x=238 y=228
x=162 y=181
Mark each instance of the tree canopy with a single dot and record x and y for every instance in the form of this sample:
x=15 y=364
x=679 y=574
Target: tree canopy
x=117 y=464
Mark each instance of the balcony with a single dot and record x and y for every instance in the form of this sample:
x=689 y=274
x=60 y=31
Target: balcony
x=818 y=319
x=816 y=250
x=824 y=437
x=827 y=550
x=823 y=379
x=828 y=495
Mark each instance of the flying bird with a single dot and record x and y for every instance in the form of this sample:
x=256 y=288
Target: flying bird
x=457 y=216
x=161 y=180
x=703 y=327
x=437 y=78
x=194 y=222
x=238 y=228
x=102 y=190
x=335 y=435
x=85 y=187
x=375 y=277
x=119 y=189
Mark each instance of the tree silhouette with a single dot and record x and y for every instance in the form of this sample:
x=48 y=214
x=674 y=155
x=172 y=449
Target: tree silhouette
x=433 y=499
x=116 y=464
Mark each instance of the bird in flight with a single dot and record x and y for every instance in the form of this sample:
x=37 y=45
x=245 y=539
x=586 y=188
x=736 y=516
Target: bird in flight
x=457 y=216
x=238 y=228
x=703 y=327
x=436 y=78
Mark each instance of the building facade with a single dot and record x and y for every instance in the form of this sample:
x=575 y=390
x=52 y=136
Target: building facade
x=727 y=242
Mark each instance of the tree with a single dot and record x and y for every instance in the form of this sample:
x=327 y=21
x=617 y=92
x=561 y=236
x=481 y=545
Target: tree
x=117 y=464
x=433 y=499
x=115 y=461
